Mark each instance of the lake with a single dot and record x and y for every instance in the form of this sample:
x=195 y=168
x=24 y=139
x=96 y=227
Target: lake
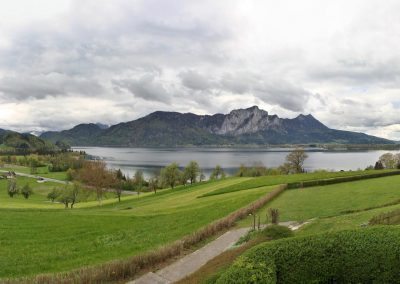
x=150 y=160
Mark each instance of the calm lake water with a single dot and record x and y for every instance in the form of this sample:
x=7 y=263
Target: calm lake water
x=150 y=160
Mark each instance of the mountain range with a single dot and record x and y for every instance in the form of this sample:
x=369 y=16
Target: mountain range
x=251 y=126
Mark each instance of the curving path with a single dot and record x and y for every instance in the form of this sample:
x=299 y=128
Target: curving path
x=192 y=262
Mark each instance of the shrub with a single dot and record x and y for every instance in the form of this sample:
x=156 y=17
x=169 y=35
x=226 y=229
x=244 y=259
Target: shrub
x=248 y=271
x=26 y=191
x=358 y=256
x=275 y=232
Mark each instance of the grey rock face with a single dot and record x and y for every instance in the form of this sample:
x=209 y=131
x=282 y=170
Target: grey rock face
x=247 y=121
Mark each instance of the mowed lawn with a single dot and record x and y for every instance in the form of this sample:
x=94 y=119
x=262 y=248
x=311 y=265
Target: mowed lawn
x=344 y=222
x=283 y=179
x=331 y=200
x=41 y=240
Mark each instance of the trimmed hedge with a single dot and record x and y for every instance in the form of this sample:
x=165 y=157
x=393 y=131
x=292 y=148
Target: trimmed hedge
x=359 y=256
x=322 y=182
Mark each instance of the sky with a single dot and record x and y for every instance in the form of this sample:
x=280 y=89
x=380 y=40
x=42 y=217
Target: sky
x=67 y=62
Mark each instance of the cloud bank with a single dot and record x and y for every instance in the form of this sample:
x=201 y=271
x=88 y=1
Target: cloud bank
x=100 y=61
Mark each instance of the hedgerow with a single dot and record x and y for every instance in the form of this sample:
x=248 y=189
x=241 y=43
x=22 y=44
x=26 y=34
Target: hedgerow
x=360 y=256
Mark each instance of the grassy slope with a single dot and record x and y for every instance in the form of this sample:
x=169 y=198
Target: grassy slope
x=343 y=222
x=282 y=179
x=49 y=240
x=331 y=200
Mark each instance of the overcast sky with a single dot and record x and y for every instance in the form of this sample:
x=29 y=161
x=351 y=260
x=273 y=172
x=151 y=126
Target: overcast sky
x=67 y=62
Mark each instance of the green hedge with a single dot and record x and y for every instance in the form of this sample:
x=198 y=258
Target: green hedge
x=322 y=182
x=360 y=256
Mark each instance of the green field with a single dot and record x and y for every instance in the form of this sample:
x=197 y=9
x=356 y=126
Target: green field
x=38 y=239
x=284 y=179
x=37 y=236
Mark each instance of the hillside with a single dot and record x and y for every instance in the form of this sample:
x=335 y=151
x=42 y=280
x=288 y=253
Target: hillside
x=239 y=127
x=11 y=141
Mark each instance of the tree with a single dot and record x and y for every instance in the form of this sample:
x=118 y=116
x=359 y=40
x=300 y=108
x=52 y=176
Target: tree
x=118 y=190
x=217 y=173
x=202 y=177
x=170 y=174
x=379 y=166
x=71 y=173
x=71 y=195
x=26 y=191
x=296 y=160
x=242 y=171
x=388 y=160
x=192 y=171
x=120 y=175
x=285 y=169
x=96 y=174
x=74 y=192
x=65 y=197
x=153 y=184
x=53 y=195
x=12 y=188
x=139 y=180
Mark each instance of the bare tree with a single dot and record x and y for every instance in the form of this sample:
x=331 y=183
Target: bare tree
x=295 y=160
x=96 y=174
x=153 y=184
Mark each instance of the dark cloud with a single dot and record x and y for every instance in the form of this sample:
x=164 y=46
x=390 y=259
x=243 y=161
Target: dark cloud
x=148 y=87
x=284 y=94
x=25 y=87
x=195 y=81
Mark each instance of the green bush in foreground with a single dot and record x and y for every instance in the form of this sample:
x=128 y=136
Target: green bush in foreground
x=275 y=232
x=359 y=256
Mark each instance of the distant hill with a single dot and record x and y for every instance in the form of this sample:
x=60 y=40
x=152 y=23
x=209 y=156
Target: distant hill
x=11 y=141
x=239 y=127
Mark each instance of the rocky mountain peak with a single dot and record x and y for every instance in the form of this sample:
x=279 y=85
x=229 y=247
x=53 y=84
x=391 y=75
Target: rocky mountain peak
x=244 y=121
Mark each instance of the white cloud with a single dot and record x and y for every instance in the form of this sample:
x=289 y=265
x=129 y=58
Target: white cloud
x=116 y=61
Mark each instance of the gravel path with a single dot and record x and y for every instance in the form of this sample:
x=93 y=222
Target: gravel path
x=192 y=262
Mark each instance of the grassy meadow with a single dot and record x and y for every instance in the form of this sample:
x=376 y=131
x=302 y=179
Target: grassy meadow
x=42 y=237
x=38 y=236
